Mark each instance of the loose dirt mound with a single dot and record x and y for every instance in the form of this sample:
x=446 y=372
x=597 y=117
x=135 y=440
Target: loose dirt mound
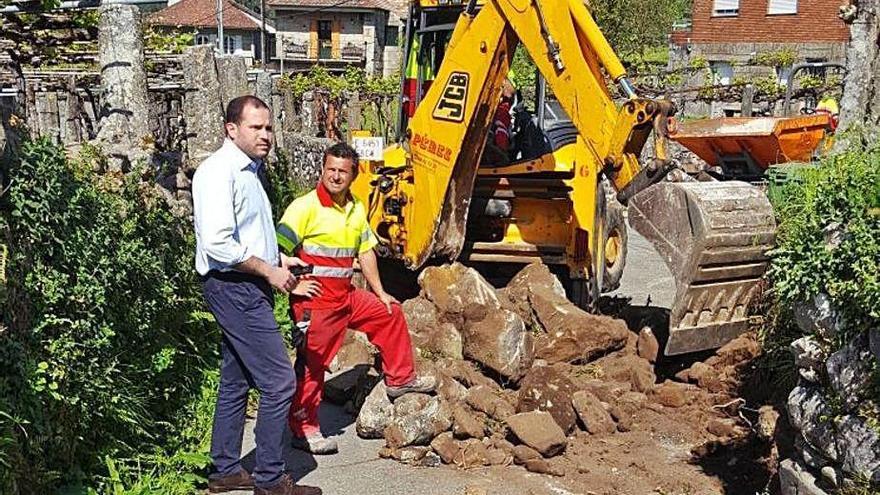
x=544 y=385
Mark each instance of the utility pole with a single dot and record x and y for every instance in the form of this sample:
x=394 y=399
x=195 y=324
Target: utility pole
x=264 y=57
x=220 y=27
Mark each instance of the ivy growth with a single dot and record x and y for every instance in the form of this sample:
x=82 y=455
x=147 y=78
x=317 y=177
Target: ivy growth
x=777 y=58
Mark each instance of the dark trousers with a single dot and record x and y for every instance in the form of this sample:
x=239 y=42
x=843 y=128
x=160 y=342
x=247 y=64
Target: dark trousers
x=254 y=355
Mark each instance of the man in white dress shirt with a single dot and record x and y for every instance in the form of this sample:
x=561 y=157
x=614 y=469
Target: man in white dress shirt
x=239 y=263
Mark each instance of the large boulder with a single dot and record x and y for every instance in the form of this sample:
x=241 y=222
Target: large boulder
x=818 y=316
x=570 y=334
x=466 y=373
x=446 y=447
x=467 y=423
x=431 y=337
x=859 y=447
x=538 y=430
x=489 y=401
x=500 y=342
x=592 y=413
x=671 y=394
x=356 y=350
x=344 y=386
x=809 y=412
x=575 y=336
x=647 y=345
x=547 y=389
x=795 y=479
x=535 y=277
x=416 y=420
x=738 y=353
x=628 y=368
x=849 y=371
x=376 y=413
x=458 y=290
x=809 y=357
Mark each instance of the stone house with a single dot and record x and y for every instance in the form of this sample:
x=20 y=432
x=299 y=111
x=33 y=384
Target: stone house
x=742 y=38
x=363 y=33
x=241 y=27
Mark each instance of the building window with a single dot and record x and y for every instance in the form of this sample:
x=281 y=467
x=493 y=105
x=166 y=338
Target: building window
x=206 y=39
x=722 y=73
x=392 y=35
x=725 y=7
x=231 y=44
x=782 y=7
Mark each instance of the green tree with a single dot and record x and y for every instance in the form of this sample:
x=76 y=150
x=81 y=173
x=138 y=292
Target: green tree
x=636 y=26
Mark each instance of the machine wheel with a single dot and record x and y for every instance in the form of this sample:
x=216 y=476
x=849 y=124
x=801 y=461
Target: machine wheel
x=580 y=291
x=615 y=246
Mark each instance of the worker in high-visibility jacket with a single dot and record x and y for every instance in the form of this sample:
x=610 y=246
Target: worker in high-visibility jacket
x=418 y=76
x=328 y=229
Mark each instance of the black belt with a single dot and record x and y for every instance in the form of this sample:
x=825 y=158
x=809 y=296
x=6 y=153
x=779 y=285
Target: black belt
x=234 y=277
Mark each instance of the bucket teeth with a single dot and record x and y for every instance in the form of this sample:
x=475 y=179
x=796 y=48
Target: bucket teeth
x=714 y=238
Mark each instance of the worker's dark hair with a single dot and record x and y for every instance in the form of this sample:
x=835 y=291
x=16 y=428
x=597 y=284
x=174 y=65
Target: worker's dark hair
x=343 y=150
x=237 y=105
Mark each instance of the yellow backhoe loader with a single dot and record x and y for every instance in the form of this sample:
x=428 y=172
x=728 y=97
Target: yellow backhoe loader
x=430 y=198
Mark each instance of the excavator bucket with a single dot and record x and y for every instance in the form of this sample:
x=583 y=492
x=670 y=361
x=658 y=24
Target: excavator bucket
x=714 y=238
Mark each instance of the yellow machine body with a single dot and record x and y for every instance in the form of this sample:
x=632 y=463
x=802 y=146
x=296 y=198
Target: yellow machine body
x=431 y=198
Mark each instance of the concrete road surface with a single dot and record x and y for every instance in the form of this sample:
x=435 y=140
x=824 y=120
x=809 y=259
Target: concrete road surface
x=357 y=469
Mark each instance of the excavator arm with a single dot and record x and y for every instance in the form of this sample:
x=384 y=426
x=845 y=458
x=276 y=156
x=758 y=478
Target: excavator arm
x=447 y=133
x=713 y=236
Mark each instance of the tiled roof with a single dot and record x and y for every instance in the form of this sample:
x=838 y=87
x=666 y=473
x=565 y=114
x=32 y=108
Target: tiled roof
x=330 y=5
x=203 y=14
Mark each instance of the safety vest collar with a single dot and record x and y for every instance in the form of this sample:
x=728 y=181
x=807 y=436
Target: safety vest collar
x=326 y=199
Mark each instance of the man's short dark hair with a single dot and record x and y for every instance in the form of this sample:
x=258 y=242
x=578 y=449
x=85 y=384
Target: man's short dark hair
x=237 y=105
x=345 y=151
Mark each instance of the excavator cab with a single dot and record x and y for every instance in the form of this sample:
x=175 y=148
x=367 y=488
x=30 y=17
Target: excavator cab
x=433 y=197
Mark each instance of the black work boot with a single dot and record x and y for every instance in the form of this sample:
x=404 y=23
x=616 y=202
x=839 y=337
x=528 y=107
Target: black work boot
x=242 y=480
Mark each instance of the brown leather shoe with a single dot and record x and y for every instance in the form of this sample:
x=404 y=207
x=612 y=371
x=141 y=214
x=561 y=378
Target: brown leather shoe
x=242 y=480
x=286 y=486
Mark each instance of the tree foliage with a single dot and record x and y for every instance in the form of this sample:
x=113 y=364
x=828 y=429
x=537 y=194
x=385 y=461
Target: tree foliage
x=634 y=26
x=829 y=236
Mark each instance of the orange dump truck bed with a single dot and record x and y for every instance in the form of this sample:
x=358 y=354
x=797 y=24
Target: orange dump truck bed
x=765 y=140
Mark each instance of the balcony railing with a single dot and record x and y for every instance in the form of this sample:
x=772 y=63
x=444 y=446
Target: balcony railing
x=350 y=52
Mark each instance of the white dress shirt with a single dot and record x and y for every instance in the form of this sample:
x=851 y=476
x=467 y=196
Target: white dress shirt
x=231 y=212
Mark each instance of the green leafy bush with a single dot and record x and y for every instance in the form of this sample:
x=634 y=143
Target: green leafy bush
x=829 y=236
x=354 y=79
x=107 y=351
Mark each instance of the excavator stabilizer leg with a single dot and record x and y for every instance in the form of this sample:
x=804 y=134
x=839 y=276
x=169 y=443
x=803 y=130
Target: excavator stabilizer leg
x=714 y=237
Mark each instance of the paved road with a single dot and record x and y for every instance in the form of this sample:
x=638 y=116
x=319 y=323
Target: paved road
x=646 y=280
x=358 y=469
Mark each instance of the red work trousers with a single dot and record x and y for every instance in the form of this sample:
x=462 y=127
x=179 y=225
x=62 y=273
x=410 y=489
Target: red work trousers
x=363 y=312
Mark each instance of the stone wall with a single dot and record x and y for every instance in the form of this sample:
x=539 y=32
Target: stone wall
x=303 y=159
x=835 y=445
x=741 y=56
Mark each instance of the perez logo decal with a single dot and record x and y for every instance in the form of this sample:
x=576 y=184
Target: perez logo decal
x=451 y=104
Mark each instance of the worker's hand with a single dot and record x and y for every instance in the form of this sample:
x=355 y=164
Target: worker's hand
x=288 y=262
x=307 y=287
x=281 y=279
x=387 y=299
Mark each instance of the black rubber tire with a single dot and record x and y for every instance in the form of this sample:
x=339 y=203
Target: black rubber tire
x=615 y=231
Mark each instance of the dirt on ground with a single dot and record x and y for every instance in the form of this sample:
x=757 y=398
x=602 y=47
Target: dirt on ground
x=530 y=382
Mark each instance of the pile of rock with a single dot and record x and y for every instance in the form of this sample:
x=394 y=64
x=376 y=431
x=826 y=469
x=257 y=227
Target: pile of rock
x=521 y=371
x=835 y=445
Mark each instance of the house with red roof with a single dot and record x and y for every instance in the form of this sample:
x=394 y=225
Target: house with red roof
x=241 y=27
